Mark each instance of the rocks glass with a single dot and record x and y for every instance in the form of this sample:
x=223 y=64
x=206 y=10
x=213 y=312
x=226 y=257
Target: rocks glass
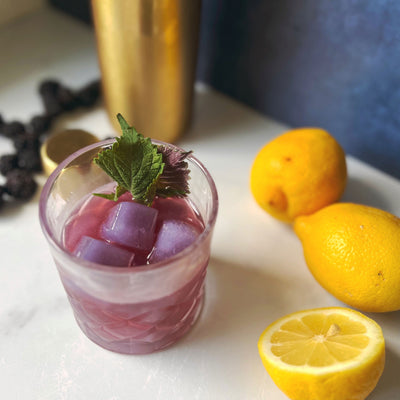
x=131 y=310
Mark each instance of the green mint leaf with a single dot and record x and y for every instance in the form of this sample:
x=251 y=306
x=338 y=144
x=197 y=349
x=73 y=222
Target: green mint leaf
x=110 y=196
x=119 y=191
x=134 y=163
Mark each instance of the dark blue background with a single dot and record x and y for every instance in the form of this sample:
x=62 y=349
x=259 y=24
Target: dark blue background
x=328 y=63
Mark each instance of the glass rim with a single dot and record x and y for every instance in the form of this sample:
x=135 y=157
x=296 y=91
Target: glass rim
x=208 y=225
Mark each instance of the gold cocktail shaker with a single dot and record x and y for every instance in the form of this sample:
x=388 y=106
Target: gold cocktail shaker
x=147 y=52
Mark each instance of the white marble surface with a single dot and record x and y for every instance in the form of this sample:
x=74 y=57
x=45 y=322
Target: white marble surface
x=256 y=274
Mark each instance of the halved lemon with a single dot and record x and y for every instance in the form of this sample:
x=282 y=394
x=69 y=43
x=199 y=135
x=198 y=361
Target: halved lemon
x=324 y=354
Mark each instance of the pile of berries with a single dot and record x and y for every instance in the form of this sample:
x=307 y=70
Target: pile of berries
x=18 y=168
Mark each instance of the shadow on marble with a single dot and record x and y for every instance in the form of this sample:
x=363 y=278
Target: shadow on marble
x=387 y=320
x=11 y=208
x=388 y=386
x=239 y=301
x=362 y=192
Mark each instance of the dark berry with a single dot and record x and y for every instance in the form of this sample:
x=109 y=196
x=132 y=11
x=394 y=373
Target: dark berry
x=19 y=141
x=8 y=162
x=57 y=98
x=67 y=99
x=49 y=88
x=49 y=92
x=39 y=124
x=12 y=129
x=26 y=141
x=2 y=192
x=88 y=95
x=20 y=184
x=29 y=159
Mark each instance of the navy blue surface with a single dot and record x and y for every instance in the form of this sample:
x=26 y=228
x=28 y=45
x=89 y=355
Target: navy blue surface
x=328 y=63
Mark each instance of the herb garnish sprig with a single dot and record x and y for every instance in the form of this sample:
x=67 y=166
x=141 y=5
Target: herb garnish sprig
x=142 y=168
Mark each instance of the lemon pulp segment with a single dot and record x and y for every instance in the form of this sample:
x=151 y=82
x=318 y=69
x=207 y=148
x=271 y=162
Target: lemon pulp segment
x=319 y=340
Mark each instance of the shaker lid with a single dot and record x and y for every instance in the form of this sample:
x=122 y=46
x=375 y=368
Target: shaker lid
x=60 y=145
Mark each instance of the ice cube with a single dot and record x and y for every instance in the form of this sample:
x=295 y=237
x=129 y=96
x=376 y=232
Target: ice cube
x=172 y=238
x=173 y=208
x=102 y=252
x=86 y=221
x=131 y=224
x=84 y=225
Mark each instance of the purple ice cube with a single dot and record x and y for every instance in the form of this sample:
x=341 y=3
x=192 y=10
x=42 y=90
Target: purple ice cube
x=173 y=237
x=131 y=224
x=102 y=252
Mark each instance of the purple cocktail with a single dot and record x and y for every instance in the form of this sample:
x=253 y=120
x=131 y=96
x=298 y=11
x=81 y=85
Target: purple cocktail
x=132 y=291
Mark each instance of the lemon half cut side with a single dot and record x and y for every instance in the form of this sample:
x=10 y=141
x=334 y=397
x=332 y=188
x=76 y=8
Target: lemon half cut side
x=324 y=354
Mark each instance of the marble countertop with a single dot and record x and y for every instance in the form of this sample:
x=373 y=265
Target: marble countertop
x=256 y=273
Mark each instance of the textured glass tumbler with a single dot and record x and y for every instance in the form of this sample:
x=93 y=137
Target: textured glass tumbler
x=131 y=310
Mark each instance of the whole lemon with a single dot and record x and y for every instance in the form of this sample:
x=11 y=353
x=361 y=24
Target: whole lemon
x=298 y=173
x=353 y=251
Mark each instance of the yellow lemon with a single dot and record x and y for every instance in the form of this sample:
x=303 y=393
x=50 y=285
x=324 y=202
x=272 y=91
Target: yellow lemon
x=324 y=354
x=298 y=173
x=353 y=251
